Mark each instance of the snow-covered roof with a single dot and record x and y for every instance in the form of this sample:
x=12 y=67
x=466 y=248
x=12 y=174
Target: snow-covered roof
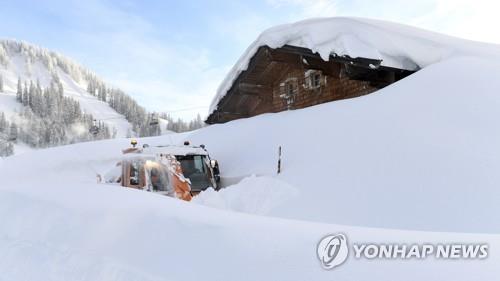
x=396 y=45
x=178 y=150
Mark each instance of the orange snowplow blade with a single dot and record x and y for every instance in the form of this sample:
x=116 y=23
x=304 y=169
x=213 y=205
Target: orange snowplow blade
x=181 y=186
x=182 y=189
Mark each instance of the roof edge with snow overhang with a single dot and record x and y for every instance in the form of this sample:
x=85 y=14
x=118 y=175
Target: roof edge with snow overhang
x=394 y=45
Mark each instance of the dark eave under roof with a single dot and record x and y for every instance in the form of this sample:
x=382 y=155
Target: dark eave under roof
x=370 y=65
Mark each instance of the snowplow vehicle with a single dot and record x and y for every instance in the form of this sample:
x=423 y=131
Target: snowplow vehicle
x=180 y=171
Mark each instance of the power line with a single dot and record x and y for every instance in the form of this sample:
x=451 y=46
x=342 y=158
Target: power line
x=185 y=109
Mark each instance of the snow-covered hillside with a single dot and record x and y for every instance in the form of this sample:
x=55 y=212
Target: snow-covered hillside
x=416 y=162
x=19 y=60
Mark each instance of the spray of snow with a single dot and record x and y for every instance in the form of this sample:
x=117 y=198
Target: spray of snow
x=78 y=129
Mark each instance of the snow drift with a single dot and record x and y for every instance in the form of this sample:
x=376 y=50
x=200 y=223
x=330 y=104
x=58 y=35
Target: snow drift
x=58 y=224
x=417 y=161
x=253 y=195
x=419 y=154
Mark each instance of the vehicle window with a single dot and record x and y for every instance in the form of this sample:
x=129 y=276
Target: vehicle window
x=134 y=173
x=194 y=168
x=199 y=164
x=159 y=178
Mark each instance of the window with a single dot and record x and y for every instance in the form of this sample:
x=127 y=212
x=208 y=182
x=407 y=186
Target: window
x=159 y=176
x=134 y=173
x=288 y=91
x=316 y=80
x=312 y=79
x=193 y=168
x=289 y=88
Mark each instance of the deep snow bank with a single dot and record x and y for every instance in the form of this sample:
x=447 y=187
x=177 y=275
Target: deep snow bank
x=253 y=195
x=419 y=154
x=58 y=224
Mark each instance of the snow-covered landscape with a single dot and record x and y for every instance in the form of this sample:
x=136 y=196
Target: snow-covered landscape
x=20 y=61
x=415 y=162
x=46 y=99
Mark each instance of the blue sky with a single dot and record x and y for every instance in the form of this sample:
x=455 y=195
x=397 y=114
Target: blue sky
x=172 y=55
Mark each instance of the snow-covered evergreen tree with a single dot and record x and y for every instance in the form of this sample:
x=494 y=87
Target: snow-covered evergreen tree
x=3 y=55
x=3 y=124
x=1 y=83
x=25 y=98
x=6 y=148
x=180 y=125
x=19 y=93
x=13 y=132
x=49 y=118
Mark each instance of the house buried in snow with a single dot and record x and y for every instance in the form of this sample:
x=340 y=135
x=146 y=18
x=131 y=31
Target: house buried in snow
x=291 y=76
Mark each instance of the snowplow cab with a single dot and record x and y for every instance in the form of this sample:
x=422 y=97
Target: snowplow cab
x=177 y=171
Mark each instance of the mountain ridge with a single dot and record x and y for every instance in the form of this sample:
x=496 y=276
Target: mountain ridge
x=36 y=72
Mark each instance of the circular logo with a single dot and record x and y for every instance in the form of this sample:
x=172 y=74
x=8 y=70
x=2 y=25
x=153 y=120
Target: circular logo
x=332 y=250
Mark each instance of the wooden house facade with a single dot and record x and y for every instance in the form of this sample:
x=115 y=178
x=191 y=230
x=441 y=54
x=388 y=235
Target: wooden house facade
x=291 y=77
